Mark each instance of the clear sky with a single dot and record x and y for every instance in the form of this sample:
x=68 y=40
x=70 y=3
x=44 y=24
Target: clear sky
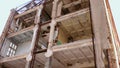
x=115 y=7
x=6 y=5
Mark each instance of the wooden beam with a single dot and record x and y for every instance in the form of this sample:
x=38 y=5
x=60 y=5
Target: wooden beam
x=26 y=12
x=26 y=30
x=21 y=31
x=31 y=56
x=59 y=9
x=54 y=9
x=49 y=52
x=37 y=17
x=72 y=4
x=40 y=51
x=48 y=64
x=70 y=15
x=7 y=59
x=73 y=45
x=67 y=2
x=32 y=47
x=29 y=18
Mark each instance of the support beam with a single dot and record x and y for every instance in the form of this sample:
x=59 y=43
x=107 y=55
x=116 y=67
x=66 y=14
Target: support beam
x=73 y=45
x=59 y=9
x=26 y=30
x=49 y=52
x=7 y=59
x=31 y=56
x=26 y=12
x=7 y=26
x=72 y=4
x=70 y=15
x=21 y=31
x=95 y=11
x=32 y=47
x=40 y=51
x=48 y=64
x=101 y=33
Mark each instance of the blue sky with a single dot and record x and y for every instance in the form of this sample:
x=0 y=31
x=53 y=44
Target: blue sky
x=6 y=5
x=116 y=13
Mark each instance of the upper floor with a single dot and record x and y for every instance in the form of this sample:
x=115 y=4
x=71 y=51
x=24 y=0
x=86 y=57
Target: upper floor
x=80 y=24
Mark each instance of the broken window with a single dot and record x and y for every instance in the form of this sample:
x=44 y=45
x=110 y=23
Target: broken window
x=11 y=50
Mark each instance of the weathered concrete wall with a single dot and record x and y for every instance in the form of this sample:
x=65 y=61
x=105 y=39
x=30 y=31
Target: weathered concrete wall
x=23 y=48
x=5 y=47
x=62 y=37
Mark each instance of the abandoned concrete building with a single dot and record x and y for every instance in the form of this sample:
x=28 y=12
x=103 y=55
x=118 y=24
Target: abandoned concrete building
x=60 y=34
